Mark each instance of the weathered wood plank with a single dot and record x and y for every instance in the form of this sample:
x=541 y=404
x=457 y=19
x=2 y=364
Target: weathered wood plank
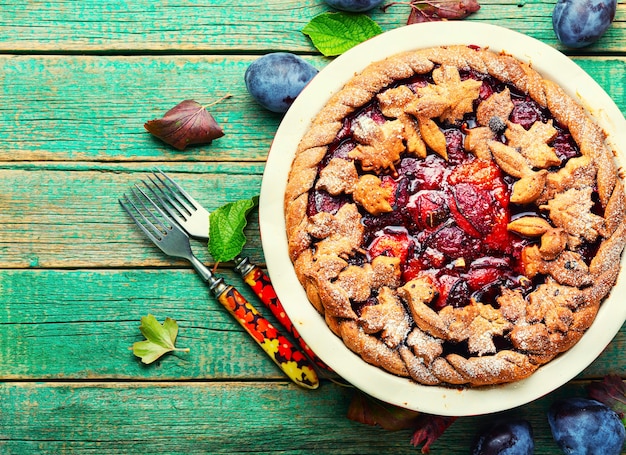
x=115 y=25
x=76 y=275
x=201 y=418
x=62 y=218
x=93 y=108
x=80 y=324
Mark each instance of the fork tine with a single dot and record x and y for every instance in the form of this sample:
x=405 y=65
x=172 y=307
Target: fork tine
x=166 y=202
x=127 y=207
x=177 y=191
x=151 y=210
x=172 y=239
x=158 y=226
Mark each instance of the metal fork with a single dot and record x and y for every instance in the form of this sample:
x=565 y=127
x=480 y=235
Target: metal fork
x=194 y=219
x=173 y=241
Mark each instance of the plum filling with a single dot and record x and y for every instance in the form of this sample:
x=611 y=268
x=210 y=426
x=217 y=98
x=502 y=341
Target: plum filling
x=450 y=224
x=449 y=216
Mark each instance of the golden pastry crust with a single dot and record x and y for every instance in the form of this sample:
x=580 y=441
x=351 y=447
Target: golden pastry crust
x=396 y=324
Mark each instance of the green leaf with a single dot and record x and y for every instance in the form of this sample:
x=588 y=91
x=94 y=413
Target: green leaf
x=160 y=339
x=334 y=33
x=226 y=225
x=148 y=351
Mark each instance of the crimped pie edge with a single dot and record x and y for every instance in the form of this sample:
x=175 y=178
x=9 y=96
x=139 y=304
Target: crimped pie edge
x=361 y=89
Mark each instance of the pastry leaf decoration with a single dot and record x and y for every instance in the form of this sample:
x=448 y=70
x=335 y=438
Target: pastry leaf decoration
x=187 y=123
x=334 y=33
x=226 y=225
x=160 y=339
x=449 y=98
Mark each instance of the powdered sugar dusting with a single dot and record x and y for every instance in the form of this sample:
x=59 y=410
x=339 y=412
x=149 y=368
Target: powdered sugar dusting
x=491 y=345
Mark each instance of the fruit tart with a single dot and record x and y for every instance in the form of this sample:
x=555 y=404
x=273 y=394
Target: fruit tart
x=455 y=217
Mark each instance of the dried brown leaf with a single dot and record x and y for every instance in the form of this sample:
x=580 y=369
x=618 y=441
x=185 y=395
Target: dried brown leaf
x=437 y=10
x=370 y=411
x=426 y=428
x=611 y=391
x=187 y=123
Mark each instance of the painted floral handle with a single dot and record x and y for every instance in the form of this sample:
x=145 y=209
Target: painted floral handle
x=291 y=360
x=260 y=283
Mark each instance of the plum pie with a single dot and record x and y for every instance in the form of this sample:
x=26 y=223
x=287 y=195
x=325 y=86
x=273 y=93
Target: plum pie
x=455 y=217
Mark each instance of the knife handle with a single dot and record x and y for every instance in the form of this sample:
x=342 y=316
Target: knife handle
x=293 y=362
x=261 y=284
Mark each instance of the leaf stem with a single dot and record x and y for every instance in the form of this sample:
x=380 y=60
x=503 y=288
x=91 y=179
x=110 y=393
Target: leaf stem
x=228 y=95
x=389 y=5
x=415 y=4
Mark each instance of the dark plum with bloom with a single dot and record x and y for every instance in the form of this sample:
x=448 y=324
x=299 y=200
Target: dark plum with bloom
x=354 y=6
x=585 y=426
x=275 y=80
x=507 y=437
x=579 y=23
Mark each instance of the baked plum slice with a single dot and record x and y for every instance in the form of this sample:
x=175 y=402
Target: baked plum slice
x=427 y=209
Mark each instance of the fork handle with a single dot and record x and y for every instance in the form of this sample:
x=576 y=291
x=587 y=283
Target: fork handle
x=261 y=284
x=291 y=360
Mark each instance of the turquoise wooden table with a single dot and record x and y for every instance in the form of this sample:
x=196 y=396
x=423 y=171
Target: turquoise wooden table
x=78 y=79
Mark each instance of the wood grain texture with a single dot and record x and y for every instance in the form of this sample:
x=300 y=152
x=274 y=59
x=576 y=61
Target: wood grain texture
x=223 y=26
x=55 y=216
x=218 y=418
x=81 y=324
x=78 y=79
x=93 y=108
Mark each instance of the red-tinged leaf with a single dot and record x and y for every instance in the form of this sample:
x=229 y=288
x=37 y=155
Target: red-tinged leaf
x=422 y=13
x=426 y=427
x=370 y=411
x=456 y=9
x=187 y=123
x=428 y=430
x=437 y=10
x=611 y=391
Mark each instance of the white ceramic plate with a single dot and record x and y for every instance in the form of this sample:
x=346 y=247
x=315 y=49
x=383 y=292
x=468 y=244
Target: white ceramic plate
x=372 y=380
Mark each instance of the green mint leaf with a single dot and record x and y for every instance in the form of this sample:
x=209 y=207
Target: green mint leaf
x=160 y=339
x=226 y=225
x=334 y=33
